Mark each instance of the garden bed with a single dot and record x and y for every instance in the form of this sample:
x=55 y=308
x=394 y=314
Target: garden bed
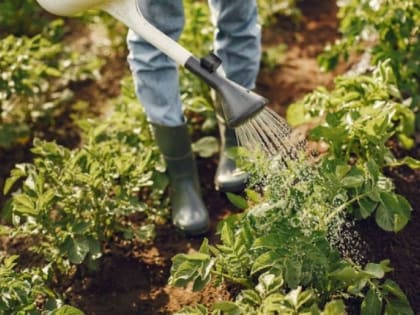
x=132 y=276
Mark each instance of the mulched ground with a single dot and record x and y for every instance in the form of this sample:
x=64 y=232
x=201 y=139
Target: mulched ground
x=133 y=277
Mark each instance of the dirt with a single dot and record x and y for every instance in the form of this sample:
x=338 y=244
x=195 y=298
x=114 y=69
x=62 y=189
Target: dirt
x=402 y=248
x=298 y=72
x=132 y=278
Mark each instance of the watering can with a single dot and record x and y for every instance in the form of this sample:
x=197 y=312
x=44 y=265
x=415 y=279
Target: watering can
x=237 y=105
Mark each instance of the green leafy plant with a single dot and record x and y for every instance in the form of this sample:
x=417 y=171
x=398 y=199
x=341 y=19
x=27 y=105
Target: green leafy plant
x=22 y=17
x=361 y=114
x=34 y=84
x=389 y=30
x=364 y=111
x=281 y=243
x=269 y=10
x=272 y=56
x=26 y=293
x=265 y=300
x=71 y=201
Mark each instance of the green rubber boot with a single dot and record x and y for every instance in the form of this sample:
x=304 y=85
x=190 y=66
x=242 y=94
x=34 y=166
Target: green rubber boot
x=228 y=177
x=189 y=213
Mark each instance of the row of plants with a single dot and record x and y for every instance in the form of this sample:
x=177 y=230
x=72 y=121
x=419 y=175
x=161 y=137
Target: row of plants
x=387 y=30
x=24 y=292
x=37 y=72
x=35 y=85
x=70 y=203
x=281 y=252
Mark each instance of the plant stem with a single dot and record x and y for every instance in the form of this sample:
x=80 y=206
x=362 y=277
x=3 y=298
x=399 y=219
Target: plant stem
x=341 y=208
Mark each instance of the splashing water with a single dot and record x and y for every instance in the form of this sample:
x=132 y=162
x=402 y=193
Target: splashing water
x=269 y=133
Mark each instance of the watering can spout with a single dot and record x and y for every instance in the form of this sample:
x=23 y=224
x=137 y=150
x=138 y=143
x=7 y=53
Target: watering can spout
x=237 y=103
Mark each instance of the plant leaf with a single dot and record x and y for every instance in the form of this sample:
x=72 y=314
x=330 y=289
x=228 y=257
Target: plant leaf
x=335 y=307
x=393 y=213
x=372 y=304
x=24 y=204
x=367 y=206
x=206 y=147
x=237 y=200
x=68 y=310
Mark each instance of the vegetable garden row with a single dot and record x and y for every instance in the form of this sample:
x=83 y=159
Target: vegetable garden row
x=91 y=179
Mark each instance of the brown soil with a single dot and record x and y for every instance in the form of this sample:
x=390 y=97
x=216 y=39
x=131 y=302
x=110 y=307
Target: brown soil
x=299 y=73
x=403 y=248
x=132 y=278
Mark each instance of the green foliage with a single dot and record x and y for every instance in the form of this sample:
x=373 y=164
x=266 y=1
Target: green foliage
x=36 y=73
x=272 y=56
x=380 y=296
x=361 y=114
x=264 y=300
x=72 y=201
x=206 y=147
x=198 y=38
x=22 y=17
x=280 y=245
x=391 y=29
x=269 y=10
x=26 y=293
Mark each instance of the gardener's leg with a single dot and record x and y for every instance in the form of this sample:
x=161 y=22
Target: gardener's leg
x=155 y=74
x=156 y=79
x=238 y=44
x=237 y=39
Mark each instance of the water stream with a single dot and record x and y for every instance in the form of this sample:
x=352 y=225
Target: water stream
x=269 y=133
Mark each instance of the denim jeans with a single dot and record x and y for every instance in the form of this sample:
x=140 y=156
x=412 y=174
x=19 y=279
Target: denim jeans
x=237 y=42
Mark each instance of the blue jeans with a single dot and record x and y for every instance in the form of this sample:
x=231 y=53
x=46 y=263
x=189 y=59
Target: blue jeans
x=237 y=42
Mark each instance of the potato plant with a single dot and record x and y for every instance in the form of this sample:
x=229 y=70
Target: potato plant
x=270 y=9
x=73 y=200
x=26 y=292
x=281 y=249
x=389 y=29
x=361 y=114
x=280 y=245
x=34 y=84
x=22 y=17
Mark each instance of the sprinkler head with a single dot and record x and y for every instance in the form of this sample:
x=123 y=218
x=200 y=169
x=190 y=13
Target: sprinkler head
x=237 y=103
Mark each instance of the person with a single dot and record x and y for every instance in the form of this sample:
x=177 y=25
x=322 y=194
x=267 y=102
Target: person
x=237 y=42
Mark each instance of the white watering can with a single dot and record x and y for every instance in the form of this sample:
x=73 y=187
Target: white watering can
x=238 y=104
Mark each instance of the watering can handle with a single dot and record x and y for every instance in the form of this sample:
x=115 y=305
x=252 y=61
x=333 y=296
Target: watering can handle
x=240 y=104
x=129 y=13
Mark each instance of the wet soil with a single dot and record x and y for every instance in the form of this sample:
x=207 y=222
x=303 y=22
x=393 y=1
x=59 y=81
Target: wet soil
x=402 y=248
